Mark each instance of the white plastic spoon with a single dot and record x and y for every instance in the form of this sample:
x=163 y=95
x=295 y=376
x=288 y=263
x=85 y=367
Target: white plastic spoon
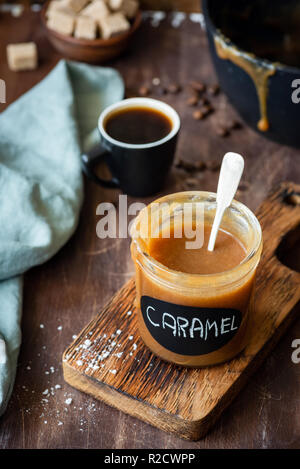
x=230 y=175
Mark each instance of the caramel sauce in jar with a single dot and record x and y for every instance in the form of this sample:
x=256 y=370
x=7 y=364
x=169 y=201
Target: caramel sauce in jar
x=192 y=304
x=173 y=253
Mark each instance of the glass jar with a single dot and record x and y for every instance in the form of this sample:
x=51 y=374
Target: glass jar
x=194 y=319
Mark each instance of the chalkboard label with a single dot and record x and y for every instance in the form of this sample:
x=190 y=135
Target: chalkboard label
x=189 y=330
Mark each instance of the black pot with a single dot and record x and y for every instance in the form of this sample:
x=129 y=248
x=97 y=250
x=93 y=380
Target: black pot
x=282 y=88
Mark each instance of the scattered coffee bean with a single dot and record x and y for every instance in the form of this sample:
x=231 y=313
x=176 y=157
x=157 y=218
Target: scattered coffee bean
x=293 y=199
x=192 y=101
x=200 y=165
x=179 y=163
x=213 y=89
x=243 y=186
x=213 y=165
x=161 y=90
x=174 y=88
x=144 y=91
x=222 y=132
x=191 y=166
x=207 y=109
x=204 y=101
x=234 y=124
x=198 y=115
x=198 y=86
x=188 y=166
x=203 y=112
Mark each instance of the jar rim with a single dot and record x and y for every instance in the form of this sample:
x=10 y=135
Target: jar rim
x=246 y=212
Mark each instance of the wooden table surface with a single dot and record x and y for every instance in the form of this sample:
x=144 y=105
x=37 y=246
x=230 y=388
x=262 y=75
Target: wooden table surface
x=68 y=290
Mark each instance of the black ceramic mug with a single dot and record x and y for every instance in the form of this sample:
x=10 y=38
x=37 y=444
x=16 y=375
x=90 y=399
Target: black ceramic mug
x=137 y=169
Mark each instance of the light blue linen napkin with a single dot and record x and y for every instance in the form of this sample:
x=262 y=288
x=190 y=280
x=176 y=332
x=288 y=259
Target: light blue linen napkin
x=41 y=137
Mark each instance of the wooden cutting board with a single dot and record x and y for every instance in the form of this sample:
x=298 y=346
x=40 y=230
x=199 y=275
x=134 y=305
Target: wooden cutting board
x=109 y=361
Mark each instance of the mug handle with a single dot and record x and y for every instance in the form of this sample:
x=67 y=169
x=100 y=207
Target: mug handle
x=89 y=160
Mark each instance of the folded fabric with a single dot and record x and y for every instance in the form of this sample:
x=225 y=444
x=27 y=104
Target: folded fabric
x=41 y=136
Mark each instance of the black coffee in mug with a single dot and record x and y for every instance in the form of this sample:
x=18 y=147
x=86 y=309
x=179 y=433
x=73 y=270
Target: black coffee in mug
x=137 y=142
x=138 y=125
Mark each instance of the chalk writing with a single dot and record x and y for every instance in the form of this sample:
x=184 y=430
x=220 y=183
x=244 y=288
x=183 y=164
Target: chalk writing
x=189 y=330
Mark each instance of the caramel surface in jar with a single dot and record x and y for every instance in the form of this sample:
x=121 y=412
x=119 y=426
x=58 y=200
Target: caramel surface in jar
x=193 y=304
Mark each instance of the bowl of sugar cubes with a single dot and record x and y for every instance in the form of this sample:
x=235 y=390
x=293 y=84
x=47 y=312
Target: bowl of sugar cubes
x=92 y=31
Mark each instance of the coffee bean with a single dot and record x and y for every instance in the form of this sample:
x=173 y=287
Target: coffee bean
x=204 y=102
x=178 y=163
x=174 y=88
x=198 y=115
x=200 y=165
x=243 y=186
x=213 y=89
x=234 y=124
x=144 y=91
x=207 y=109
x=222 y=131
x=186 y=165
x=161 y=90
x=198 y=86
x=213 y=165
x=192 y=101
x=191 y=166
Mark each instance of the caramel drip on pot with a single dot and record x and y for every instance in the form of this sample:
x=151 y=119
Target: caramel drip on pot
x=258 y=73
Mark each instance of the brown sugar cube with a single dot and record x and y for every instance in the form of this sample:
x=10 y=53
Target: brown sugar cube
x=86 y=28
x=59 y=6
x=75 y=5
x=96 y=10
x=61 y=22
x=115 y=4
x=113 y=24
x=22 y=56
x=129 y=8
x=53 y=6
